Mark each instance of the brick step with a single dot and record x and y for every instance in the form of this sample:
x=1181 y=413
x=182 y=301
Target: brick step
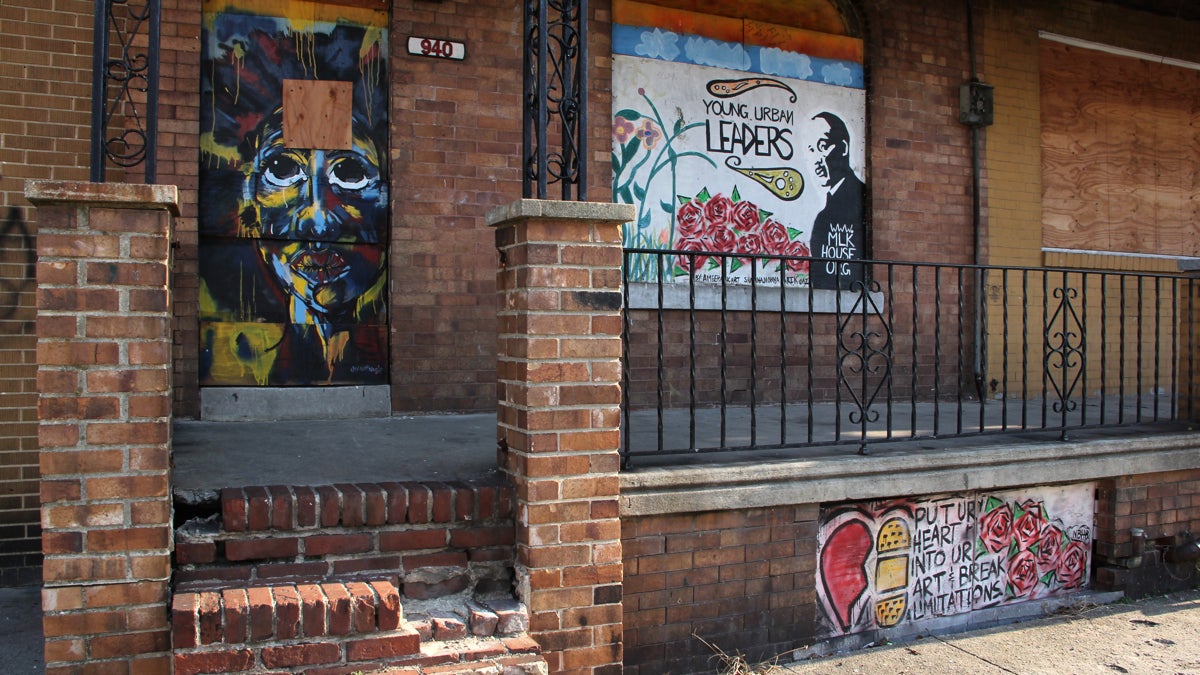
x=341 y=627
x=431 y=539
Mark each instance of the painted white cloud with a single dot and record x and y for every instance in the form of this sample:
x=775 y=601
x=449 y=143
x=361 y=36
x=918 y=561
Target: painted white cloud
x=713 y=53
x=658 y=44
x=837 y=73
x=784 y=63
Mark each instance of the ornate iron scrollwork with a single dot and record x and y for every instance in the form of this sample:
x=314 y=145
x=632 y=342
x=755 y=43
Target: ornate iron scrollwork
x=555 y=91
x=125 y=86
x=864 y=353
x=1064 y=352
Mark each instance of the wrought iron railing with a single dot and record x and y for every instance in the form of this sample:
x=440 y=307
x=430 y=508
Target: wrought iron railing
x=555 y=91
x=762 y=361
x=125 y=86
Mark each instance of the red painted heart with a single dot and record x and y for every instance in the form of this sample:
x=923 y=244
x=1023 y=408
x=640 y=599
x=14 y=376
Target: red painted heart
x=844 y=568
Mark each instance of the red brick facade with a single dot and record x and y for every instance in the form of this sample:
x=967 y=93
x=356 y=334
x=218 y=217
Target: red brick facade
x=315 y=577
x=740 y=579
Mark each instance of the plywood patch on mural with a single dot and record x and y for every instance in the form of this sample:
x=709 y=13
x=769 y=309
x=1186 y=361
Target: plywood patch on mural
x=316 y=114
x=904 y=561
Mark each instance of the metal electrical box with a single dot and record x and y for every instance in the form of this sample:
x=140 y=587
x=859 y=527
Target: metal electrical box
x=975 y=105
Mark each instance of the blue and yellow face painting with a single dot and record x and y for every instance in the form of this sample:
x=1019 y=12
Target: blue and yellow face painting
x=293 y=233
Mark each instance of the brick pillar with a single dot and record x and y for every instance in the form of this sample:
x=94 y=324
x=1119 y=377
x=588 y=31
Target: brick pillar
x=559 y=370
x=104 y=409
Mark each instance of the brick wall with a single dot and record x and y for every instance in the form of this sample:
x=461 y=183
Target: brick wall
x=179 y=165
x=741 y=580
x=1166 y=507
x=45 y=94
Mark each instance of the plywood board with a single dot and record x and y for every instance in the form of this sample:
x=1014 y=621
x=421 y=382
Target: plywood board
x=1119 y=151
x=316 y=114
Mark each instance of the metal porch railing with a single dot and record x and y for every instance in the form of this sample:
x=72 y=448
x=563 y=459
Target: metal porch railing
x=755 y=359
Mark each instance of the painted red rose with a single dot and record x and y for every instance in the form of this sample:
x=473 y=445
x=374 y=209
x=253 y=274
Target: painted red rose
x=775 y=237
x=1049 y=550
x=750 y=243
x=1022 y=573
x=717 y=210
x=1028 y=528
x=1073 y=564
x=995 y=528
x=745 y=217
x=798 y=263
x=691 y=263
x=689 y=221
x=722 y=240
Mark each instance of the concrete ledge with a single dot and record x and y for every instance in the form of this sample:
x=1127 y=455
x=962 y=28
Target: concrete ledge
x=118 y=195
x=234 y=404
x=1006 y=463
x=562 y=210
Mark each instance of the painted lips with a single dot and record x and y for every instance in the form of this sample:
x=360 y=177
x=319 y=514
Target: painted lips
x=320 y=267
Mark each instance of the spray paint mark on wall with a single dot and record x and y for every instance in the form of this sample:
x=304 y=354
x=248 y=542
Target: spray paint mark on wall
x=18 y=258
x=884 y=563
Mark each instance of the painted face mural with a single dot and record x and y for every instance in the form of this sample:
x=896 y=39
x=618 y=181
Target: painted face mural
x=293 y=217
x=310 y=210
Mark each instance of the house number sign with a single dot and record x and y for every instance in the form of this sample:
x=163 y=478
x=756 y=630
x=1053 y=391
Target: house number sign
x=438 y=49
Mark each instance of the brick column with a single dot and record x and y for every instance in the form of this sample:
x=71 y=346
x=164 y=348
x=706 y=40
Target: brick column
x=559 y=370
x=104 y=409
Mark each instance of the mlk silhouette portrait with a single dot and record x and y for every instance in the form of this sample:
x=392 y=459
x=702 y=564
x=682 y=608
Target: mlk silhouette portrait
x=293 y=230
x=838 y=228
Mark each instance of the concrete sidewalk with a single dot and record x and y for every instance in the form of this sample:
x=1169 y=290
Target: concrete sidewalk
x=21 y=630
x=1153 y=635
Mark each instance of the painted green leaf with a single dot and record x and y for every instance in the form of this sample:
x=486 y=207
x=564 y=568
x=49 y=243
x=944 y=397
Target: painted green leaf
x=683 y=200
x=735 y=265
x=678 y=127
x=1047 y=579
x=736 y=196
x=679 y=271
x=639 y=192
x=631 y=115
x=704 y=196
x=630 y=149
x=793 y=233
x=980 y=549
x=1012 y=549
x=992 y=503
x=626 y=195
x=666 y=206
x=763 y=214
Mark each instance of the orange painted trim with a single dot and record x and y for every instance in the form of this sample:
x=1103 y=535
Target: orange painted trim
x=630 y=13
x=739 y=31
x=801 y=41
x=363 y=12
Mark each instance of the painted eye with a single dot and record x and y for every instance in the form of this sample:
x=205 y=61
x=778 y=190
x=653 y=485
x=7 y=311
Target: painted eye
x=349 y=173
x=282 y=171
